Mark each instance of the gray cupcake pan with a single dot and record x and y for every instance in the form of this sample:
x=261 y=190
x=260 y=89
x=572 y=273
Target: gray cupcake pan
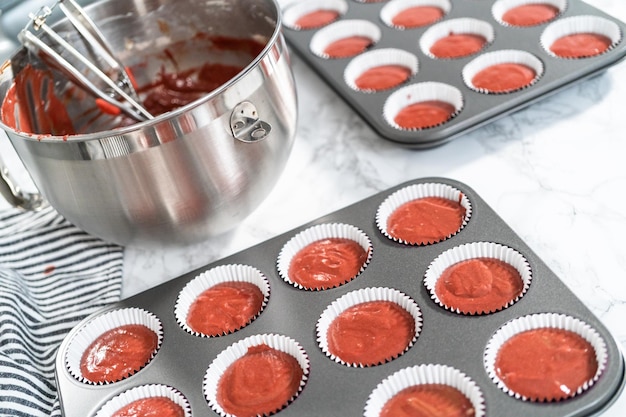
x=334 y=389
x=479 y=108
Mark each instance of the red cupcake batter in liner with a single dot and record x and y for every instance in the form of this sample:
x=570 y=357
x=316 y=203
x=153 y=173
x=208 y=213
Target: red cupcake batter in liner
x=417 y=16
x=151 y=407
x=546 y=364
x=316 y=19
x=382 y=77
x=428 y=400
x=530 y=14
x=581 y=45
x=458 y=45
x=504 y=78
x=347 y=47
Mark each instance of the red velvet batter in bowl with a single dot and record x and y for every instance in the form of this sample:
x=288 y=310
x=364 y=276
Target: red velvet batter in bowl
x=317 y=18
x=327 y=263
x=546 y=364
x=371 y=333
x=457 y=45
x=428 y=400
x=580 y=45
x=426 y=220
x=118 y=353
x=417 y=16
x=382 y=77
x=151 y=407
x=260 y=382
x=424 y=114
x=224 y=308
x=479 y=285
x=347 y=47
x=503 y=78
x=530 y=14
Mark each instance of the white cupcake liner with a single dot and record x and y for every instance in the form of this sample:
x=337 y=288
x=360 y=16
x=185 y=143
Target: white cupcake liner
x=391 y=9
x=540 y=321
x=212 y=277
x=414 y=192
x=314 y=234
x=377 y=58
x=424 y=91
x=500 y=7
x=362 y=296
x=144 y=392
x=300 y=8
x=506 y=56
x=463 y=25
x=239 y=349
x=424 y=374
x=580 y=24
x=341 y=30
x=99 y=325
x=472 y=251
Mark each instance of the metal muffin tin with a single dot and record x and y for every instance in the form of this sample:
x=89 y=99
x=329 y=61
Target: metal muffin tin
x=334 y=389
x=479 y=108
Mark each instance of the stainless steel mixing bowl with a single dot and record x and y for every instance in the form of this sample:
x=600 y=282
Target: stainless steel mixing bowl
x=186 y=175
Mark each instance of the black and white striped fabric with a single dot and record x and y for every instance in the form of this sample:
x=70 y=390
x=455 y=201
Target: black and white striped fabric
x=52 y=275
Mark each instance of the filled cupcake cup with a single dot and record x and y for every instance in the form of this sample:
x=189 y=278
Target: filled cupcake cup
x=394 y=7
x=238 y=350
x=501 y=7
x=231 y=273
x=298 y=9
x=510 y=258
x=101 y=324
x=341 y=30
x=433 y=96
x=458 y=26
x=420 y=375
x=543 y=321
x=174 y=399
x=360 y=297
x=522 y=61
x=321 y=233
x=380 y=58
x=576 y=25
x=416 y=192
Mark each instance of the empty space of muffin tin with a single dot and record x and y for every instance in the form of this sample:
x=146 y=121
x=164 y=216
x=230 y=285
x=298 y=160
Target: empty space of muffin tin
x=478 y=108
x=333 y=389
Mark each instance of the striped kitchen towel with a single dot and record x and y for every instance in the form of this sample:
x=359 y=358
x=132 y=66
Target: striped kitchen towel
x=52 y=275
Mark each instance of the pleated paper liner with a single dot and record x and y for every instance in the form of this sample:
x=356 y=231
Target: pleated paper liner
x=137 y=401
x=111 y=321
x=238 y=350
x=470 y=293
x=430 y=374
x=577 y=25
x=361 y=298
x=542 y=366
x=458 y=26
x=342 y=31
x=392 y=10
x=502 y=7
x=221 y=275
x=380 y=59
x=325 y=271
x=297 y=10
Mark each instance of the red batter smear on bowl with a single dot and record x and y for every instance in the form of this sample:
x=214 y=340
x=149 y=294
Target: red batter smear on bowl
x=347 y=47
x=261 y=382
x=457 y=45
x=426 y=220
x=224 y=308
x=316 y=19
x=118 y=353
x=530 y=14
x=151 y=407
x=417 y=16
x=371 y=333
x=424 y=114
x=504 y=78
x=479 y=285
x=382 y=77
x=428 y=400
x=581 y=45
x=546 y=364
x=327 y=263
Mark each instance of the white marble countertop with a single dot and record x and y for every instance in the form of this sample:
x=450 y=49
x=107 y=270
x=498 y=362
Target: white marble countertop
x=555 y=172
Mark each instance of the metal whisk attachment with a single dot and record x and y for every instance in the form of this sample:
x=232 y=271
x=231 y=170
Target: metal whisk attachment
x=118 y=90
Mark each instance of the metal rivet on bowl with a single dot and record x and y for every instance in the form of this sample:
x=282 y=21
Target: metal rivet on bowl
x=245 y=123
